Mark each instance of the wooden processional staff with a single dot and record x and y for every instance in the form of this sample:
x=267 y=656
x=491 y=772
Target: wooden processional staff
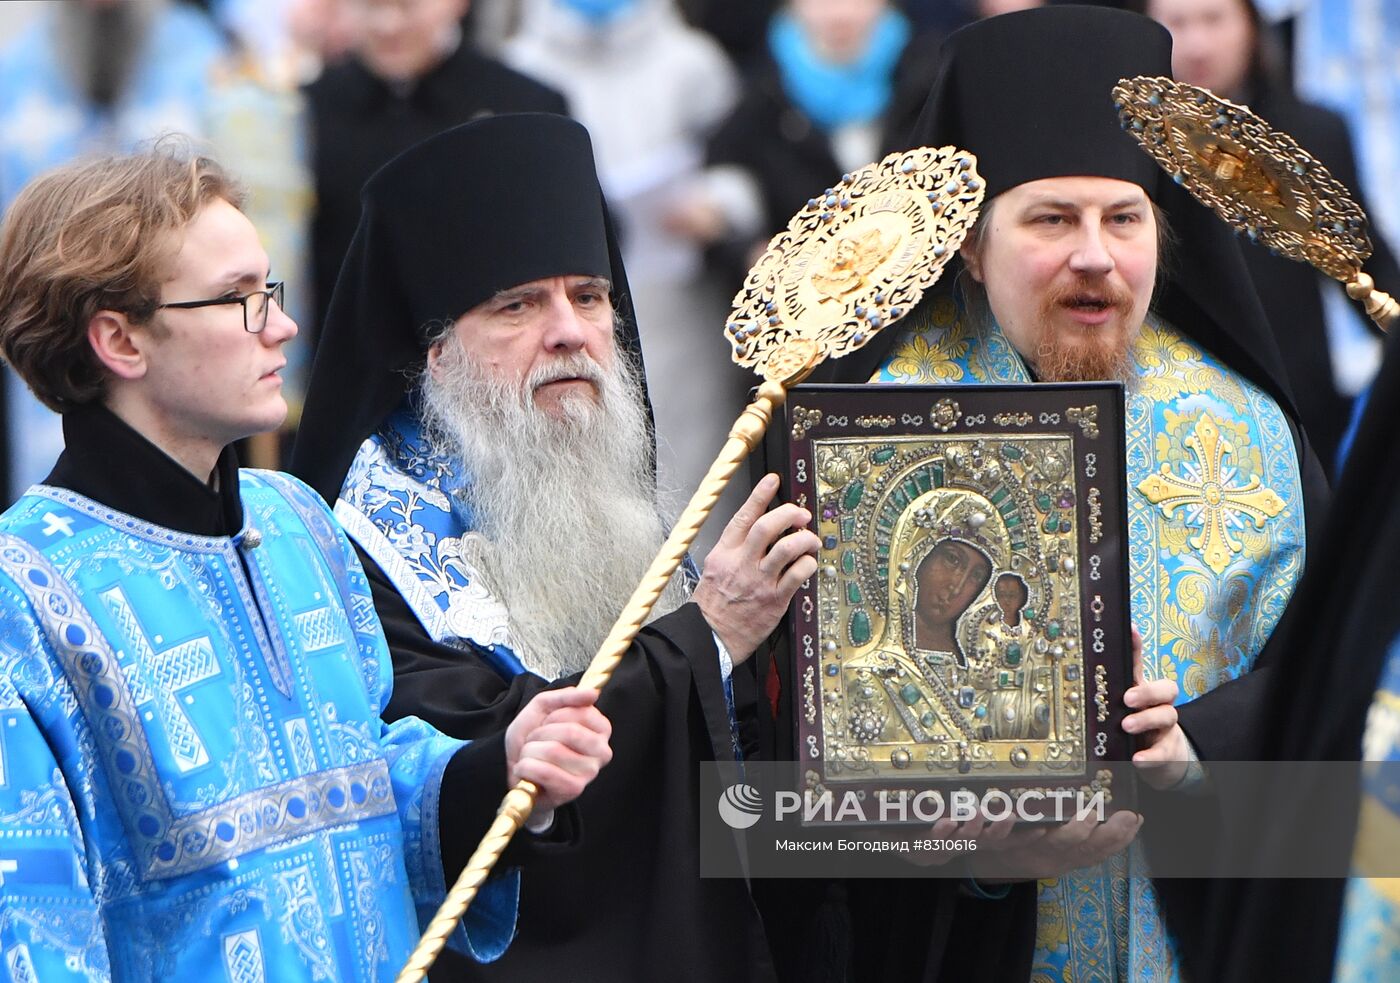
x=851 y=262
x=1256 y=178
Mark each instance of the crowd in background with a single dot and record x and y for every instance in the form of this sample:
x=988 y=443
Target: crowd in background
x=712 y=122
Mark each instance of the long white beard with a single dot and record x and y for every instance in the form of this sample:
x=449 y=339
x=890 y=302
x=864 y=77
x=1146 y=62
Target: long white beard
x=567 y=504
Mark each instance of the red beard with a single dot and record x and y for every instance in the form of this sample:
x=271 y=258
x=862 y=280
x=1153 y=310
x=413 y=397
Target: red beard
x=1067 y=351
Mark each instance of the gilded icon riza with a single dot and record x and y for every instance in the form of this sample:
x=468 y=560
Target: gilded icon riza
x=967 y=624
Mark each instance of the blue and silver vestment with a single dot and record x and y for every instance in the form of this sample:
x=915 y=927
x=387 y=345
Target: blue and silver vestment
x=195 y=782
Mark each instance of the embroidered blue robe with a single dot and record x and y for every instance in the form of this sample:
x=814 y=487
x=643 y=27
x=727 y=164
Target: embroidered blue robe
x=403 y=504
x=195 y=783
x=1216 y=536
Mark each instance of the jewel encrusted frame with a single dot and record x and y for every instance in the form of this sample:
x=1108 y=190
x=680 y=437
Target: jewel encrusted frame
x=968 y=624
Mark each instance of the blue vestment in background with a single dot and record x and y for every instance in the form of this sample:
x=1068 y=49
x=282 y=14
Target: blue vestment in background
x=46 y=120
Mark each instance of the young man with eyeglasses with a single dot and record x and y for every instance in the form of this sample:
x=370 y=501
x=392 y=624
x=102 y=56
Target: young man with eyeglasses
x=195 y=781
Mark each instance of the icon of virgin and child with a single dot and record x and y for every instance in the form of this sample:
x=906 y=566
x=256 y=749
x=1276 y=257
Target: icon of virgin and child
x=963 y=662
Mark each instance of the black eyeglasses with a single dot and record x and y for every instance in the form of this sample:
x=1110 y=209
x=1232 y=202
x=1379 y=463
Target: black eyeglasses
x=255 y=305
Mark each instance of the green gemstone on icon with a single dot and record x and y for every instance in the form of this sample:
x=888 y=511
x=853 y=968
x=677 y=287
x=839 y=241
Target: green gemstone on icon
x=860 y=628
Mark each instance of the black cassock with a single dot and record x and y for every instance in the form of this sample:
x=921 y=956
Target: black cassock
x=1333 y=646
x=629 y=904
x=444 y=227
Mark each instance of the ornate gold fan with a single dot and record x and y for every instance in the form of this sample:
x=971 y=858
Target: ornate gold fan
x=1256 y=178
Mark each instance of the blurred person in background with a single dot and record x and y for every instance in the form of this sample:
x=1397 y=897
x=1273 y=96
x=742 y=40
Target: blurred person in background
x=90 y=76
x=651 y=89
x=1223 y=46
x=840 y=84
x=255 y=122
x=15 y=14
x=322 y=32
x=992 y=8
x=409 y=76
x=738 y=25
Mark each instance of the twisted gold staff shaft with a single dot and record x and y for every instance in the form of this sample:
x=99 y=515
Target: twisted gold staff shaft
x=747 y=431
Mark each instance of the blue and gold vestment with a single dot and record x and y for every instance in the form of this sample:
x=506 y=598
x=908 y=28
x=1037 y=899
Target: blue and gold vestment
x=195 y=783
x=1215 y=540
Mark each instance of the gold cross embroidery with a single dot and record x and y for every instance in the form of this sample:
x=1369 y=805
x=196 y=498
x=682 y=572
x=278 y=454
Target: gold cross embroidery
x=1208 y=499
